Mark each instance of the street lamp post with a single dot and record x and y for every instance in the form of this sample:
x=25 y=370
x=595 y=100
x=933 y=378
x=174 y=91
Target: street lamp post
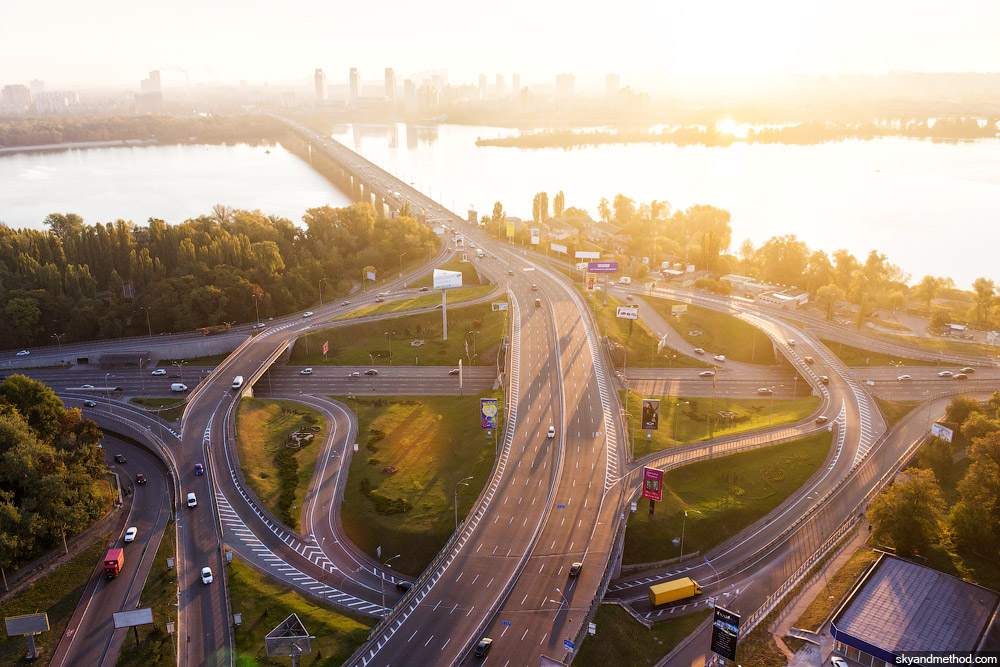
x=771 y=413
x=382 y=578
x=149 y=328
x=401 y=255
x=321 y=292
x=256 y=308
x=684 y=521
x=463 y=482
x=677 y=415
x=372 y=358
x=389 y=335
x=180 y=368
x=58 y=338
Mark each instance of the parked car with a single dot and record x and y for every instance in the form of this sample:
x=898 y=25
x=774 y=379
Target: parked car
x=140 y=479
x=159 y=371
x=206 y=575
x=706 y=374
x=131 y=533
x=371 y=371
x=306 y=371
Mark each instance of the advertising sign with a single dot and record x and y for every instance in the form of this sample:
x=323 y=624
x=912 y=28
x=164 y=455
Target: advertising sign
x=650 y=414
x=628 y=312
x=502 y=305
x=652 y=484
x=488 y=407
x=725 y=633
x=326 y=347
x=602 y=267
x=446 y=279
x=559 y=248
x=591 y=282
x=460 y=242
x=582 y=266
x=535 y=236
x=584 y=254
x=679 y=309
x=371 y=275
x=943 y=432
x=439 y=231
x=510 y=229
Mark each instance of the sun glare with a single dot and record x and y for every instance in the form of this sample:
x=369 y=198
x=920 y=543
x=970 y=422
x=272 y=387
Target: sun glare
x=727 y=126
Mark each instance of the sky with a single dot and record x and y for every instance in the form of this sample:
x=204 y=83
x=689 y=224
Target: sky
x=67 y=42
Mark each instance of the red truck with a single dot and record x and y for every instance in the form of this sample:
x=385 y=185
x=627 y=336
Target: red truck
x=114 y=561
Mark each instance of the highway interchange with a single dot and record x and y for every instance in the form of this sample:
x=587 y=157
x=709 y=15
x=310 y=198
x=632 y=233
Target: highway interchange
x=550 y=501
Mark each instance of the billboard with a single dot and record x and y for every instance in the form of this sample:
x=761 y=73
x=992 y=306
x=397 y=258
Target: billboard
x=583 y=254
x=679 y=309
x=650 y=414
x=943 y=432
x=510 y=229
x=445 y=279
x=591 y=282
x=652 y=484
x=371 y=275
x=627 y=312
x=439 y=231
x=459 y=242
x=326 y=347
x=488 y=408
x=535 y=238
x=725 y=633
x=602 y=267
x=501 y=305
x=559 y=248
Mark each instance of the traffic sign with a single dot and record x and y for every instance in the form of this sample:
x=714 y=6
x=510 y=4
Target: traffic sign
x=507 y=623
x=562 y=507
x=569 y=645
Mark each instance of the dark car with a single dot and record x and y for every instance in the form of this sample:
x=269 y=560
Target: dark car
x=371 y=371
x=961 y=376
x=140 y=479
x=453 y=371
x=120 y=458
x=574 y=569
x=90 y=404
x=483 y=647
x=199 y=469
x=424 y=289
x=403 y=586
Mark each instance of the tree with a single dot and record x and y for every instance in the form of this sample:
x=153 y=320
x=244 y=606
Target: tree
x=830 y=294
x=604 y=210
x=63 y=225
x=748 y=258
x=558 y=204
x=974 y=521
x=985 y=296
x=927 y=290
x=960 y=408
x=34 y=401
x=978 y=425
x=783 y=260
x=711 y=227
x=540 y=207
x=498 y=219
x=908 y=515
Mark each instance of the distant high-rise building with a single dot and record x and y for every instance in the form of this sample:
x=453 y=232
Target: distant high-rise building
x=482 y=86
x=612 y=84
x=154 y=80
x=319 y=81
x=56 y=102
x=390 y=85
x=355 y=84
x=410 y=96
x=437 y=82
x=17 y=95
x=500 y=89
x=515 y=84
x=36 y=86
x=288 y=99
x=565 y=85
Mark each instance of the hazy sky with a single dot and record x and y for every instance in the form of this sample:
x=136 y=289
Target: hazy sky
x=112 y=41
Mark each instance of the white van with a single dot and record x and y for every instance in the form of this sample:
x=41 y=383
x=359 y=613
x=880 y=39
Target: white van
x=237 y=382
x=177 y=386
x=192 y=501
x=625 y=280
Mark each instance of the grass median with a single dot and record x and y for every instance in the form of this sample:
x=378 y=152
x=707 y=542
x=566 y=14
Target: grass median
x=719 y=333
x=210 y=360
x=621 y=640
x=692 y=419
x=361 y=343
x=264 y=603
x=56 y=594
x=170 y=409
x=160 y=594
x=856 y=356
x=457 y=295
x=400 y=488
x=470 y=276
x=722 y=497
x=278 y=473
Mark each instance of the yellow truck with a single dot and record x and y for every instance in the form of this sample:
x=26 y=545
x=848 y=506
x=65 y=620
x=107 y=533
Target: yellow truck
x=671 y=591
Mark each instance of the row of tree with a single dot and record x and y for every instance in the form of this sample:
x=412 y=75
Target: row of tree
x=53 y=476
x=104 y=280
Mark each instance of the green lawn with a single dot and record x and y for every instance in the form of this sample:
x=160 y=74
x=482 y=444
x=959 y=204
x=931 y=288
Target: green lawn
x=336 y=634
x=279 y=475
x=351 y=345
x=155 y=404
x=855 y=356
x=893 y=411
x=423 y=301
x=621 y=640
x=698 y=419
x=635 y=337
x=159 y=593
x=432 y=442
x=721 y=333
x=469 y=274
x=729 y=494
x=210 y=360
x=57 y=595
x=836 y=588
x=944 y=343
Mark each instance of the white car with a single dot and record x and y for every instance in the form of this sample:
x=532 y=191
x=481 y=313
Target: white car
x=552 y=431
x=306 y=314
x=355 y=374
x=791 y=341
x=706 y=374
x=130 y=534
x=719 y=357
x=23 y=353
x=698 y=350
x=764 y=390
x=192 y=501
x=903 y=378
x=159 y=371
x=838 y=662
x=944 y=374
x=206 y=575
x=306 y=371
x=87 y=386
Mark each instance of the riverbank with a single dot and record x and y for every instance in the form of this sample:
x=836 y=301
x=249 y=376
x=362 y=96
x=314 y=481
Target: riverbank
x=76 y=145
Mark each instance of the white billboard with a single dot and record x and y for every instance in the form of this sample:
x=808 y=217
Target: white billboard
x=535 y=238
x=502 y=305
x=628 y=312
x=447 y=279
x=584 y=254
x=943 y=432
x=559 y=248
x=439 y=231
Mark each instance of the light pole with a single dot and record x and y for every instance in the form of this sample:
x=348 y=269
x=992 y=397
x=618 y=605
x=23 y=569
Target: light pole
x=372 y=357
x=321 y=292
x=684 y=521
x=382 y=578
x=107 y=390
x=463 y=482
x=180 y=368
x=563 y=597
x=474 y=355
x=148 y=327
x=58 y=338
x=771 y=413
x=389 y=335
x=256 y=309
x=401 y=265
x=677 y=415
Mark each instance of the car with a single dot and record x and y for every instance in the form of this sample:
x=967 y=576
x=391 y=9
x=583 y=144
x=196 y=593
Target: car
x=90 y=404
x=961 y=376
x=403 y=586
x=192 y=500
x=483 y=647
x=437 y=307
x=87 y=386
x=306 y=371
x=140 y=479
x=809 y=360
x=719 y=357
x=968 y=369
x=510 y=273
x=791 y=341
x=698 y=350
x=534 y=288
x=345 y=303
x=424 y=289
x=131 y=533
x=199 y=469
x=765 y=390
x=453 y=371
x=159 y=371
x=944 y=374
x=371 y=371
x=824 y=379
x=629 y=297
x=120 y=458
x=706 y=374
x=23 y=353
x=838 y=662
x=552 y=432
x=903 y=378
x=379 y=299
x=355 y=374
x=822 y=419
x=612 y=282
x=206 y=575
x=306 y=314
x=574 y=569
